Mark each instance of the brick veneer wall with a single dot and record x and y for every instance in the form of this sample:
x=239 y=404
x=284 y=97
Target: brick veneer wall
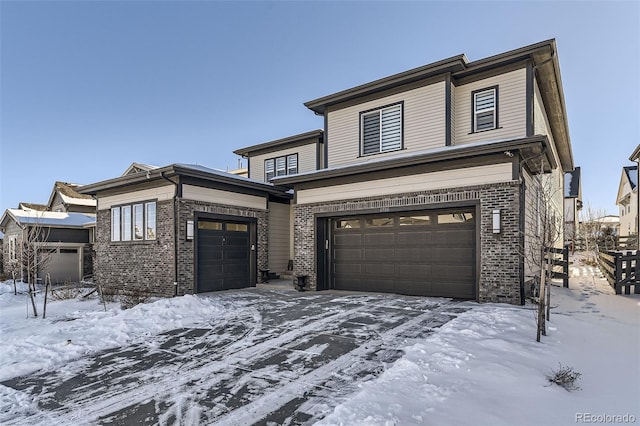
x=500 y=260
x=145 y=265
x=186 y=249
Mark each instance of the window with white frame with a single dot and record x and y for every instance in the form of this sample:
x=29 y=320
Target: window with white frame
x=280 y=166
x=381 y=130
x=485 y=109
x=134 y=222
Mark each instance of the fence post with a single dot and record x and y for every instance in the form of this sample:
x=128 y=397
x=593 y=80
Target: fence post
x=565 y=267
x=618 y=273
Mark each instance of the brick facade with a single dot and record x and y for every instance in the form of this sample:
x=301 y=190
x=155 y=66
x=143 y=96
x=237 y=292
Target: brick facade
x=150 y=265
x=501 y=265
x=186 y=249
x=129 y=265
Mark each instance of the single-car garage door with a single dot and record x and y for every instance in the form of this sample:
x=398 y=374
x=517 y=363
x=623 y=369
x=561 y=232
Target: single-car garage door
x=430 y=253
x=224 y=257
x=62 y=264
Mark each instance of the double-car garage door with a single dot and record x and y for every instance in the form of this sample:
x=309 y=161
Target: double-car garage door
x=427 y=253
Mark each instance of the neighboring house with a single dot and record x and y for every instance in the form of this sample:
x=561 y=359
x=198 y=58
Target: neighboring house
x=635 y=156
x=65 y=198
x=183 y=229
x=62 y=240
x=627 y=201
x=420 y=183
x=572 y=203
x=428 y=175
x=67 y=224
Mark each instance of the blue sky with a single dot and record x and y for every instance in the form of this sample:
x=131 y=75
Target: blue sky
x=87 y=88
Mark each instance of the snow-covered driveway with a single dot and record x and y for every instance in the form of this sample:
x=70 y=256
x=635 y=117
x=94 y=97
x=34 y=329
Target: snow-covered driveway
x=274 y=356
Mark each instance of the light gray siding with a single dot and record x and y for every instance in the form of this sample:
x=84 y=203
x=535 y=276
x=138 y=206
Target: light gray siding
x=306 y=159
x=423 y=117
x=453 y=114
x=279 y=237
x=512 y=120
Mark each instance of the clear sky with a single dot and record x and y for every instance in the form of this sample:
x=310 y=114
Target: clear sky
x=88 y=87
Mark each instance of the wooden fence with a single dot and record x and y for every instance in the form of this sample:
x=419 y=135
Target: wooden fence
x=559 y=259
x=621 y=270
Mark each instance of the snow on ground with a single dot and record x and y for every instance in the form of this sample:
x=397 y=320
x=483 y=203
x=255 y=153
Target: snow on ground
x=73 y=328
x=481 y=368
x=486 y=368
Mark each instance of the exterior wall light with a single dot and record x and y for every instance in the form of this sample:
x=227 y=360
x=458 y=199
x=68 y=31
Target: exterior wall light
x=496 y=221
x=189 y=230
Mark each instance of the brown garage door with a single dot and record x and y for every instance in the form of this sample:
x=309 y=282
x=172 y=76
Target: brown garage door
x=428 y=253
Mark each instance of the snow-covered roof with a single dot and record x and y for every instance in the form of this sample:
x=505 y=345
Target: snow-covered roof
x=55 y=219
x=138 y=168
x=69 y=195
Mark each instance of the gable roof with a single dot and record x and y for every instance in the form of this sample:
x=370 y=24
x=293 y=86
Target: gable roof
x=138 y=168
x=49 y=219
x=635 y=155
x=630 y=176
x=69 y=195
x=279 y=143
x=542 y=55
x=572 y=184
x=33 y=206
x=189 y=170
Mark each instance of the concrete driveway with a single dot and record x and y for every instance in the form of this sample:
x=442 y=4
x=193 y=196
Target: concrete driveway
x=279 y=357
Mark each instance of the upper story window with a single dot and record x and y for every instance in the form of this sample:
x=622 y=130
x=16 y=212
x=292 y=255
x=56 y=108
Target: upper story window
x=280 y=166
x=134 y=222
x=485 y=109
x=381 y=130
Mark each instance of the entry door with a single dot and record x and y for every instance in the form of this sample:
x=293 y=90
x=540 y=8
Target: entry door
x=224 y=255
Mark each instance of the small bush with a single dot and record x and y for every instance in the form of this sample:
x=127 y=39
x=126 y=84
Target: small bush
x=566 y=377
x=108 y=294
x=133 y=297
x=66 y=292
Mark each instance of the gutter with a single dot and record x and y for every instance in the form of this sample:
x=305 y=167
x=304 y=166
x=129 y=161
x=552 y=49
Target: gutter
x=175 y=233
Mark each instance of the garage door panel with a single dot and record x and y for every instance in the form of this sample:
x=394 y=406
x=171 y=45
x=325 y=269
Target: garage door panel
x=454 y=237
x=413 y=271
x=348 y=239
x=347 y=254
x=408 y=256
x=347 y=268
x=237 y=241
x=379 y=268
x=413 y=255
x=379 y=239
x=418 y=238
x=378 y=254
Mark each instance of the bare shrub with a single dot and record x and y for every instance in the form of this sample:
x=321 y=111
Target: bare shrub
x=108 y=294
x=66 y=292
x=132 y=297
x=566 y=377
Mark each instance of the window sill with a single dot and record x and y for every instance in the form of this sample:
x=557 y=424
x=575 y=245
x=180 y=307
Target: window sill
x=133 y=242
x=483 y=131
x=378 y=153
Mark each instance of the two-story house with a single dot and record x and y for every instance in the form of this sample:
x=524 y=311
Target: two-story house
x=627 y=201
x=429 y=177
x=421 y=183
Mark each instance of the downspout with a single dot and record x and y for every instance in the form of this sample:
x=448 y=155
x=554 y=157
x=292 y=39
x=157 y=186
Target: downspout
x=175 y=233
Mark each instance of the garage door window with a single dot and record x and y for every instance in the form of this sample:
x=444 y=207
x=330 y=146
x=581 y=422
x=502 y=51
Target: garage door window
x=348 y=224
x=378 y=222
x=237 y=227
x=414 y=220
x=212 y=226
x=448 y=218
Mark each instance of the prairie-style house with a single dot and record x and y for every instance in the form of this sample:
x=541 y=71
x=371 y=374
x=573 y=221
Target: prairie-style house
x=420 y=183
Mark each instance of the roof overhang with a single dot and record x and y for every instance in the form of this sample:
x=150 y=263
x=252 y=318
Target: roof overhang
x=174 y=170
x=291 y=140
x=534 y=151
x=635 y=156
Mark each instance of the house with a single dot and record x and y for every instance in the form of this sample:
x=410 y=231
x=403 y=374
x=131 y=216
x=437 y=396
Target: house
x=183 y=229
x=635 y=156
x=572 y=203
x=421 y=183
x=62 y=231
x=428 y=177
x=61 y=240
x=627 y=201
